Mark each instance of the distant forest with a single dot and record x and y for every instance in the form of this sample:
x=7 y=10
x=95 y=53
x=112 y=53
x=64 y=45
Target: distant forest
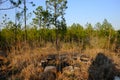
x=49 y=26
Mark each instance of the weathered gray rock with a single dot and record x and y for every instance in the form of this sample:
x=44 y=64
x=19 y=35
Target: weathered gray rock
x=116 y=78
x=84 y=58
x=51 y=57
x=50 y=68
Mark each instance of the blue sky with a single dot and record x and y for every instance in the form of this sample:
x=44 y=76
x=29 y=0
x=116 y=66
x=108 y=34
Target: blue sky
x=83 y=11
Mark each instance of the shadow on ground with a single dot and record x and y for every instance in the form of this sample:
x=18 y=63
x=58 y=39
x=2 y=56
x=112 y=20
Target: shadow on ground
x=102 y=68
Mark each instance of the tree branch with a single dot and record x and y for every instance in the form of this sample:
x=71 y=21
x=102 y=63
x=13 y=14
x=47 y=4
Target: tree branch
x=8 y=8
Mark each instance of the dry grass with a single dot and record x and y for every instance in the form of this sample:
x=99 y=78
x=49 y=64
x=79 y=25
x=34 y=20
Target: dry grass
x=25 y=63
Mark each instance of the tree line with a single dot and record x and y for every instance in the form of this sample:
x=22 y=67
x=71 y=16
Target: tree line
x=101 y=36
x=49 y=26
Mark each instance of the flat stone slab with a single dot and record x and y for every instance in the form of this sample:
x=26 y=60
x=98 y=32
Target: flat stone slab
x=50 y=68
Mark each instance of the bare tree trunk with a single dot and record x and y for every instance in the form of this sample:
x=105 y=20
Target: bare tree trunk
x=57 y=33
x=109 y=39
x=25 y=20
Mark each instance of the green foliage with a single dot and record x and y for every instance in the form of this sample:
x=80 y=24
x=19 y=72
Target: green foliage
x=57 y=9
x=42 y=19
x=118 y=37
x=16 y=3
x=50 y=26
x=89 y=36
x=77 y=32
